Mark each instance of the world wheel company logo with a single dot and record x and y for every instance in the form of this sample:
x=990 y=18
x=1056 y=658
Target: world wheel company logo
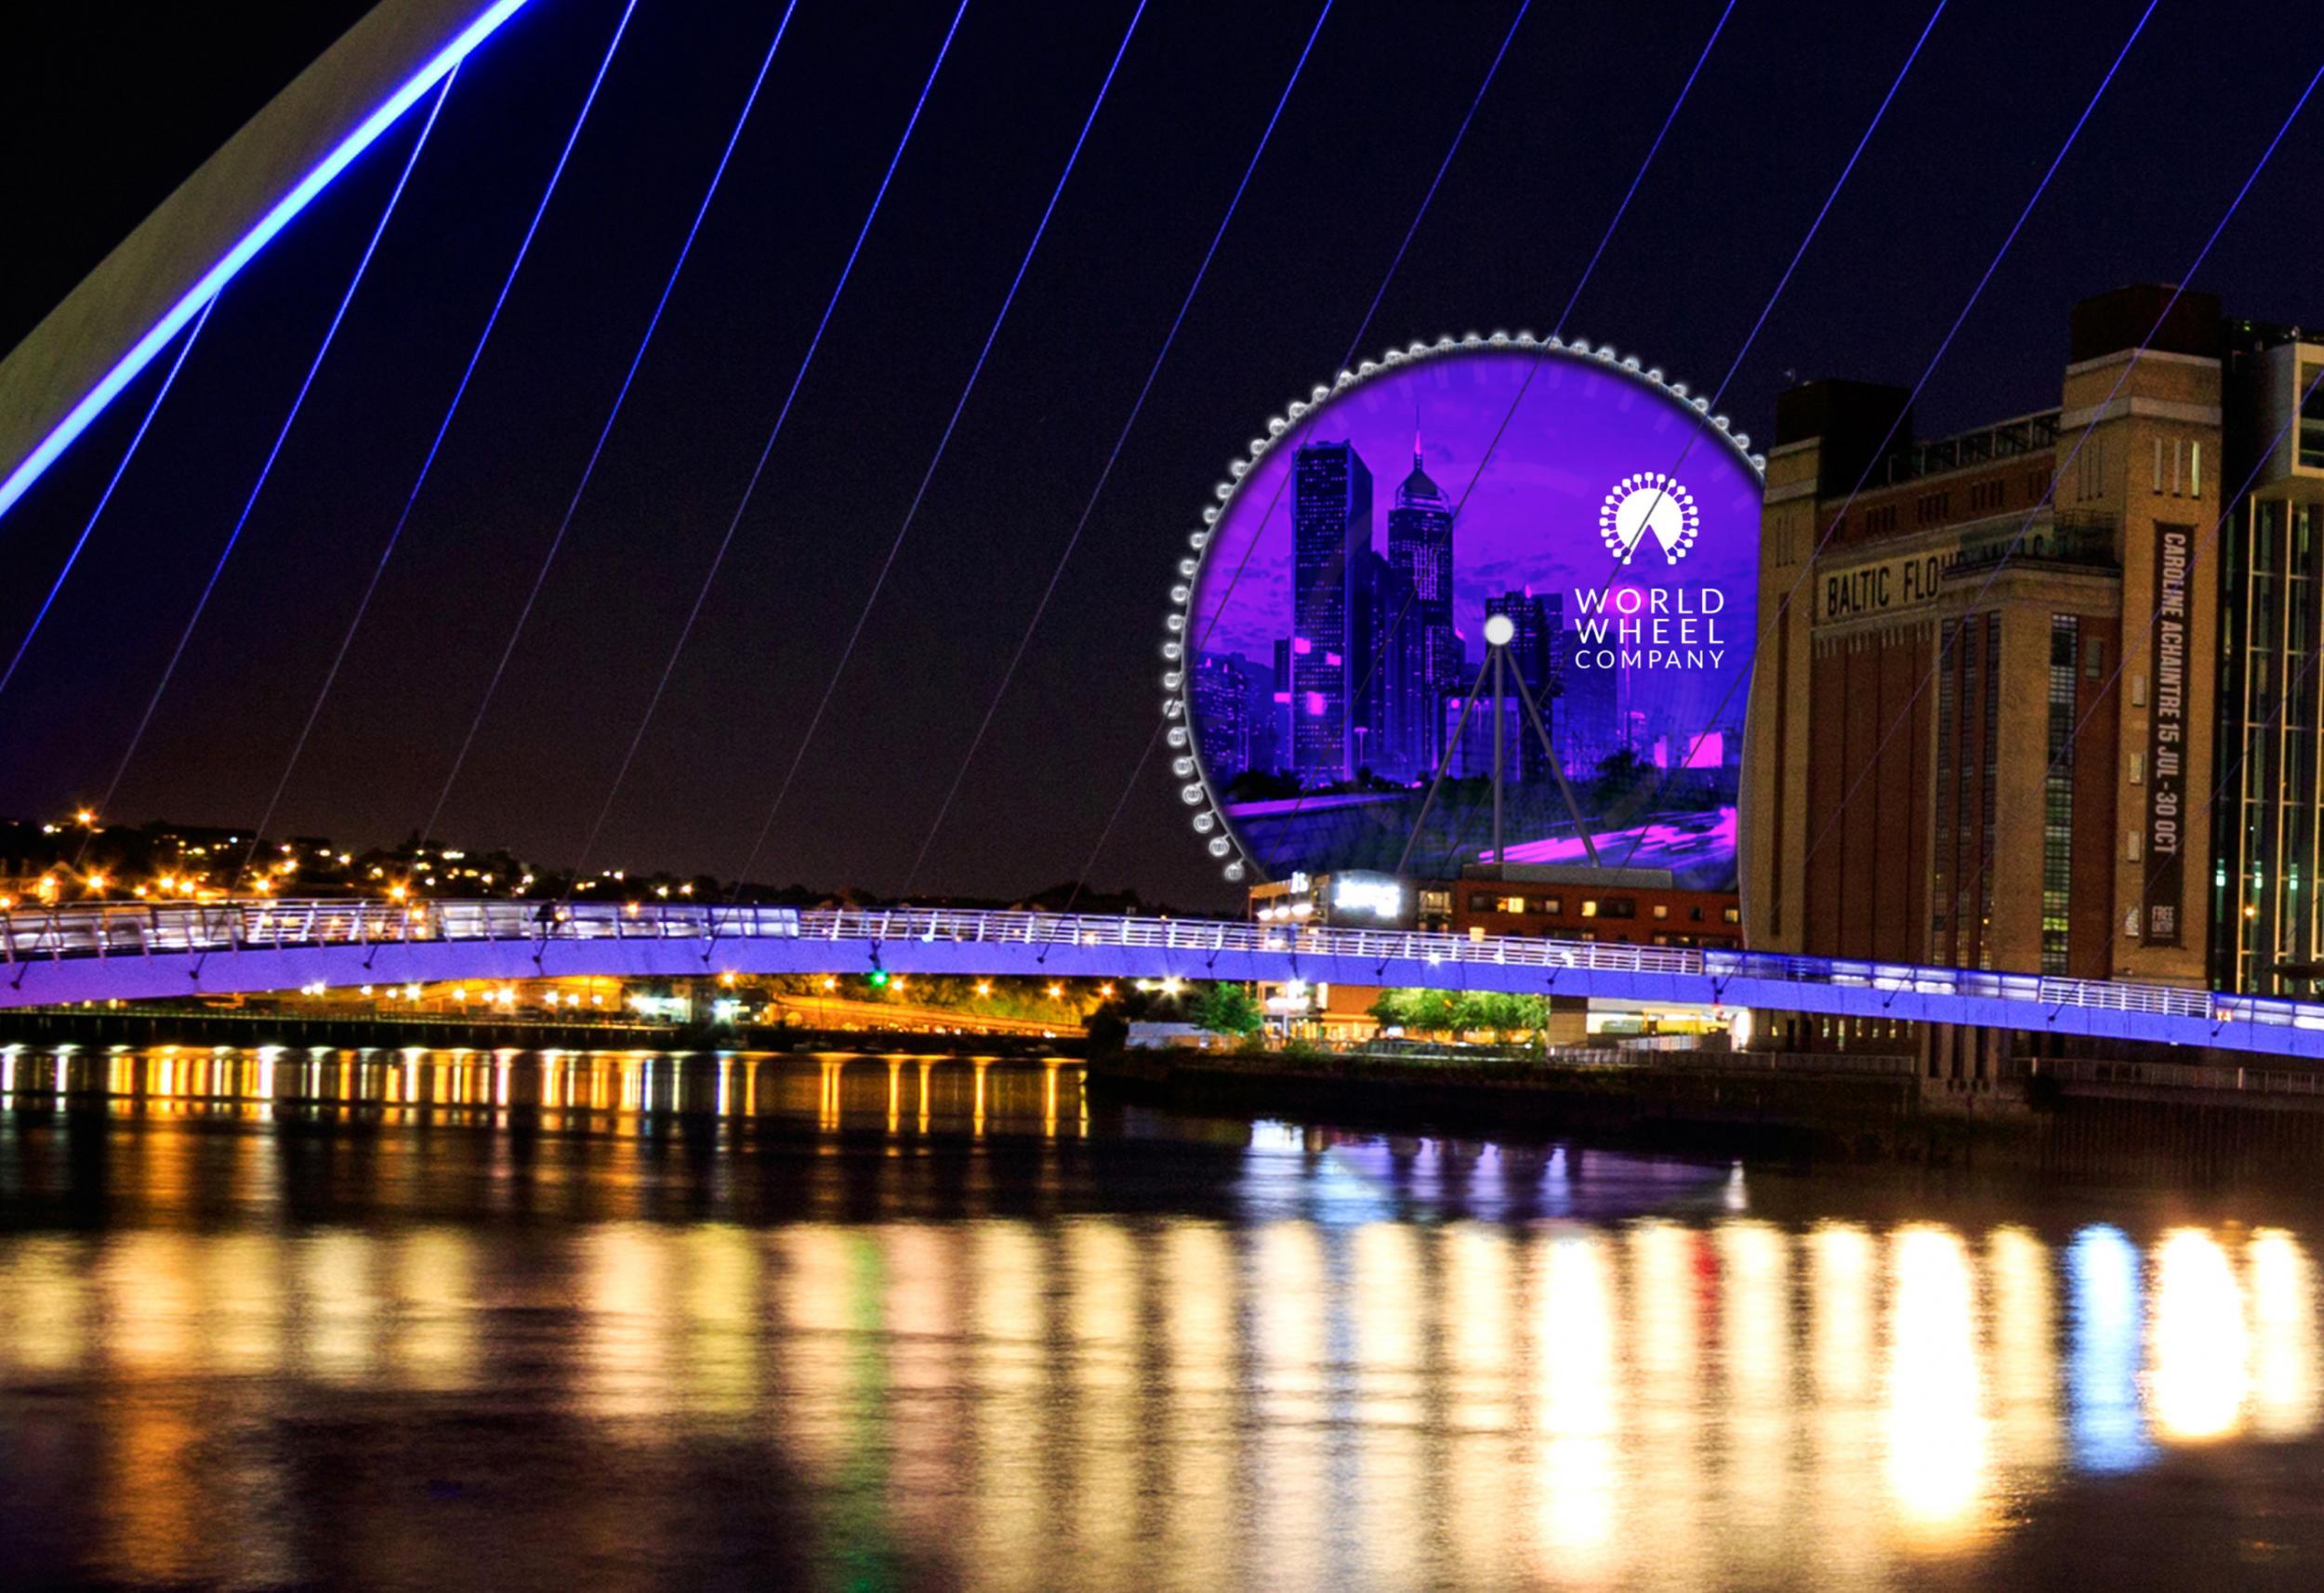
x=1648 y=501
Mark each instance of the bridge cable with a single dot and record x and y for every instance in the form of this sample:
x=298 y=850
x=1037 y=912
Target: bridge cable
x=2010 y=549
x=1702 y=411
x=1540 y=359
x=637 y=359
x=1705 y=408
x=1695 y=432
x=798 y=377
x=1040 y=609
x=1879 y=452
x=265 y=469
x=887 y=565
x=379 y=568
x=73 y=556
x=1362 y=327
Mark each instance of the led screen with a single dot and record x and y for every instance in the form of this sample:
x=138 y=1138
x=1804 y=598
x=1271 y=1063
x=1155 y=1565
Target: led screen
x=1336 y=667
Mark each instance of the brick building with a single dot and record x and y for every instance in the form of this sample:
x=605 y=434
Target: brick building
x=1951 y=758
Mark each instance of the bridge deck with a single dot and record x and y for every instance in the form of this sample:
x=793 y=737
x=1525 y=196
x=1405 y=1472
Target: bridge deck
x=124 y=952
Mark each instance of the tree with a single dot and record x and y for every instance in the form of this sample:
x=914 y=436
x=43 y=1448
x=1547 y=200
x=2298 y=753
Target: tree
x=1225 y=1009
x=1393 y=1009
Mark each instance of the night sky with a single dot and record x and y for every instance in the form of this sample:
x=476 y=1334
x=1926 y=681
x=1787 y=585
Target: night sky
x=104 y=108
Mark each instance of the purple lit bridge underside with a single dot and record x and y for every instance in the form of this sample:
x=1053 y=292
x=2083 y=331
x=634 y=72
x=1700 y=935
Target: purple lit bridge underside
x=120 y=953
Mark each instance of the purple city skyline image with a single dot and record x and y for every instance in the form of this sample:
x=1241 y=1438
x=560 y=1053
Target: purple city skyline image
x=1532 y=518
x=1357 y=599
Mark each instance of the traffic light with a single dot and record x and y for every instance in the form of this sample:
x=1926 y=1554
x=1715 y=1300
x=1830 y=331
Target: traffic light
x=878 y=979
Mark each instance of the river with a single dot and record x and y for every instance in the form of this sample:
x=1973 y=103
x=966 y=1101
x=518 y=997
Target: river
x=447 y=1320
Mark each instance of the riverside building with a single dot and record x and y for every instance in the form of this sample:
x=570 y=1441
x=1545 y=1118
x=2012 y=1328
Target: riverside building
x=1984 y=714
x=2107 y=752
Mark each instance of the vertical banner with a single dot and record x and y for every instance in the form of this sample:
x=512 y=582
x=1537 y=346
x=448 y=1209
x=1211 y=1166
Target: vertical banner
x=2166 y=738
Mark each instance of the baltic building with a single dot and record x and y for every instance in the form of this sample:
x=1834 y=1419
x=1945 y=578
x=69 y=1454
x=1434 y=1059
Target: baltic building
x=2070 y=732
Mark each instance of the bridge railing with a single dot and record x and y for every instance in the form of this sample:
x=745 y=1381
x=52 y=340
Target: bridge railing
x=113 y=930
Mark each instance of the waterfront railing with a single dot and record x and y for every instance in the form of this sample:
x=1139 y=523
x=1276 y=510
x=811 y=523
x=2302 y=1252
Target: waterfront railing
x=140 y=930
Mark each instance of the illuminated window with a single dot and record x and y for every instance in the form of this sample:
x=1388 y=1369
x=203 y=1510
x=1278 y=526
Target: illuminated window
x=1662 y=910
x=1590 y=907
x=1512 y=903
x=1734 y=915
x=1553 y=904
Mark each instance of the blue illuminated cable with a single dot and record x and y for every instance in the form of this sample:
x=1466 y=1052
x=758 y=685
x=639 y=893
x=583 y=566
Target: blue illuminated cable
x=1703 y=414
x=798 y=376
x=1533 y=367
x=2010 y=550
x=331 y=331
x=476 y=354
x=1363 y=328
x=106 y=497
x=871 y=599
x=596 y=450
x=1880 y=452
x=1040 y=609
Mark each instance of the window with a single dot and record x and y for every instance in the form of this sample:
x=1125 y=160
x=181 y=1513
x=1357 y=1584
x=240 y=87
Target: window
x=1620 y=907
x=2093 y=659
x=1480 y=903
x=2195 y=471
x=1512 y=903
x=1590 y=907
x=1553 y=904
x=2138 y=768
x=1734 y=915
x=1662 y=910
x=1696 y=913
x=2090 y=478
x=1987 y=497
x=1933 y=508
x=2057 y=796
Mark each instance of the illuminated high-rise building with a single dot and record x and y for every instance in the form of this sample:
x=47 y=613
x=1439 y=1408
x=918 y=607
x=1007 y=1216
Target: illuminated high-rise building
x=1221 y=689
x=1533 y=653
x=1420 y=551
x=1331 y=536
x=1394 y=729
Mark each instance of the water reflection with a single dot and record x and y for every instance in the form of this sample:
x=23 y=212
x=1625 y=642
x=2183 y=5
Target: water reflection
x=559 y=1088
x=1339 y=1389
